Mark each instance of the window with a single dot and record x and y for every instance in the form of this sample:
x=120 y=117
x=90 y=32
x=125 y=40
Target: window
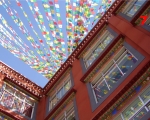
x=145 y=96
x=93 y=53
x=4 y=117
x=112 y=73
x=68 y=114
x=15 y=100
x=118 y=118
x=132 y=6
x=148 y=21
x=59 y=92
x=138 y=108
x=132 y=109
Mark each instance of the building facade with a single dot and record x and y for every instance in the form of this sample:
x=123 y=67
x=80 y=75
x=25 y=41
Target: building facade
x=107 y=77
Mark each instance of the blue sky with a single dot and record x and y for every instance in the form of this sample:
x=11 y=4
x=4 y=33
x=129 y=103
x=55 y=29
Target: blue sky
x=12 y=61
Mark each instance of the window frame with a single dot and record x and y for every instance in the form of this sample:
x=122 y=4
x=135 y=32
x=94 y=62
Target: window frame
x=111 y=32
x=115 y=65
x=48 y=110
x=24 y=101
x=137 y=12
x=145 y=26
x=138 y=55
x=69 y=110
x=144 y=105
x=68 y=105
x=57 y=91
x=97 y=44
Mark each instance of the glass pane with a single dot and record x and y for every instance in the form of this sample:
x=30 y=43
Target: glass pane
x=53 y=102
x=60 y=94
x=9 y=89
x=148 y=20
x=27 y=110
x=2 y=90
x=100 y=90
x=67 y=86
x=99 y=48
x=133 y=10
x=132 y=109
x=62 y=117
x=127 y=62
x=146 y=95
x=118 y=118
x=19 y=95
x=107 y=40
x=148 y=105
x=140 y=115
x=2 y=117
x=7 y=99
x=17 y=105
x=70 y=114
x=132 y=6
x=112 y=76
x=90 y=60
x=29 y=101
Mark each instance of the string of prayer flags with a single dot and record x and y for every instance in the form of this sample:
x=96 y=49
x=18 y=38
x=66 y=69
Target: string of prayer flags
x=44 y=33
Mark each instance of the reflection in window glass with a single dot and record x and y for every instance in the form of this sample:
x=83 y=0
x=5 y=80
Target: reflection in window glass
x=148 y=20
x=19 y=95
x=3 y=117
x=101 y=90
x=2 y=90
x=118 y=118
x=68 y=114
x=132 y=109
x=132 y=6
x=53 y=101
x=16 y=100
x=59 y=93
x=138 y=108
x=27 y=110
x=93 y=53
x=127 y=62
x=146 y=95
x=140 y=115
x=112 y=73
x=17 y=105
x=7 y=99
x=67 y=86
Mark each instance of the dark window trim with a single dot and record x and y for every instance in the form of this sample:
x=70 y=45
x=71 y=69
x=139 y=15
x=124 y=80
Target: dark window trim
x=48 y=99
x=138 y=55
x=115 y=34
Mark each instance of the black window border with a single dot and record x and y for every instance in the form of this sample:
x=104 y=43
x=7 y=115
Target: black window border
x=48 y=99
x=140 y=58
x=115 y=34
